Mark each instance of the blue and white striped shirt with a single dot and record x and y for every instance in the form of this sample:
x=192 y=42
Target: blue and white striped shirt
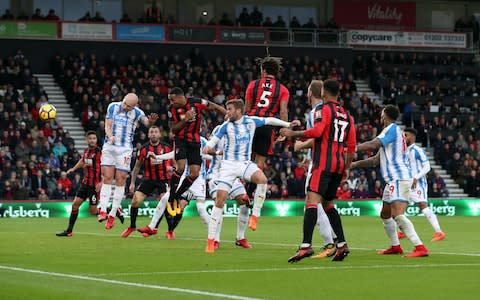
x=215 y=162
x=310 y=124
x=238 y=137
x=394 y=162
x=420 y=166
x=123 y=124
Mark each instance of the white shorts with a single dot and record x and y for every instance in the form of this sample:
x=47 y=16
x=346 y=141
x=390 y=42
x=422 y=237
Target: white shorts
x=232 y=170
x=237 y=189
x=115 y=156
x=197 y=191
x=418 y=195
x=398 y=190
x=309 y=174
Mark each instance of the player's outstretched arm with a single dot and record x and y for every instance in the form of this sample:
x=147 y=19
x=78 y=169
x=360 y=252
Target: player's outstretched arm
x=214 y=106
x=108 y=131
x=77 y=166
x=149 y=120
x=161 y=157
x=372 y=145
x=280 y=123
x=300 y=145
x=371 y=162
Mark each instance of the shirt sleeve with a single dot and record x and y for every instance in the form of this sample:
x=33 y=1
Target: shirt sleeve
x=322 y=118
x=142 y=153
x=387 y=137
x=352 y=137
x=172 y=115
x=200 y=104
x=110 y=109
x=284 y=94
x=139 y=114
x=258 y=121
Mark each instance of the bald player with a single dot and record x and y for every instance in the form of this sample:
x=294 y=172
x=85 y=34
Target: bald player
x=120 y=123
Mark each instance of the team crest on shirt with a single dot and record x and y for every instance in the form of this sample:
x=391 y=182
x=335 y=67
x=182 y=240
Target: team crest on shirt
x=251 y=127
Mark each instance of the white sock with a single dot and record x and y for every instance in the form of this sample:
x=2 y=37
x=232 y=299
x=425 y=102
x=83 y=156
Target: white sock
x=324 y=226
x=219 y=229
x=432 y=218
x=259 y=198
x=202 y=211
x=215 y=219
x=391 y=231
x=242 y=222
x=159 y=210
x=117 y=200
x=105 y=193
x=406 y=226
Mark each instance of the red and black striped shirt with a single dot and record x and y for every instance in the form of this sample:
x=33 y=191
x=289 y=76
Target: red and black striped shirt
x=265 y=94
x=334 y=133
x=154 y=170
x=91 y=158
x=191 y=132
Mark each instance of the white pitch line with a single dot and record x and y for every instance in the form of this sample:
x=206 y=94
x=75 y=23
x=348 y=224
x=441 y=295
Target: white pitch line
x=286 y=245
x=293 y=269
x=126 y=283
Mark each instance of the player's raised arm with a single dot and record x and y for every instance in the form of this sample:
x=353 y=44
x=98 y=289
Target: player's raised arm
x=79 y=165
x=372 y=145
x=370 y=162
x=161 y=157
x=149 y=120
x=314 y=132
x=213 y=106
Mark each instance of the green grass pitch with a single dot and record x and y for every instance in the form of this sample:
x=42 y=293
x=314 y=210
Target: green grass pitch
x=99 y=264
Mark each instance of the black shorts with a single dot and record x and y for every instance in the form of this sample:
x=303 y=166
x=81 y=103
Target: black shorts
x=324 y=183
x=263 y=140
x=87 y=192
x=147 y=186
x=189 y=151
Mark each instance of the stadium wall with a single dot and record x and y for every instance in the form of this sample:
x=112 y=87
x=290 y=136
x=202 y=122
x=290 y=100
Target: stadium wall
x=41 y=52
x=272 y=208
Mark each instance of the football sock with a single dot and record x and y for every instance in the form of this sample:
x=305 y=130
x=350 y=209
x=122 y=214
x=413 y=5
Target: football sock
x=133 y=217
x=260 y=194
x=309 y=221
x=202 y=211
x=186 y=183
x=251 y=187
x=159 y=210
x=391 y=231
x=117 y=200
x=105 y=193
x=173 y=221
x=242 y=222
x=219 y=229
x=72 y=220
x=336 y=223
x=215 y=219
x=174 y=180
x=432 y=218
x=406 y=226
x=324 y=226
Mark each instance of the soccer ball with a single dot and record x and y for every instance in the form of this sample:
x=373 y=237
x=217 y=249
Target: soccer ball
x=47 y=112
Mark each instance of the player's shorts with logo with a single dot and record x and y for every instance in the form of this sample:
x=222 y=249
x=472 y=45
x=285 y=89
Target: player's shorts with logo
x=189 y=151
x=398 y=190
x=418 y=195
x=148 y=186
x=232 y=170
x=87 y=192
x=116 y=156
x=237 y=188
